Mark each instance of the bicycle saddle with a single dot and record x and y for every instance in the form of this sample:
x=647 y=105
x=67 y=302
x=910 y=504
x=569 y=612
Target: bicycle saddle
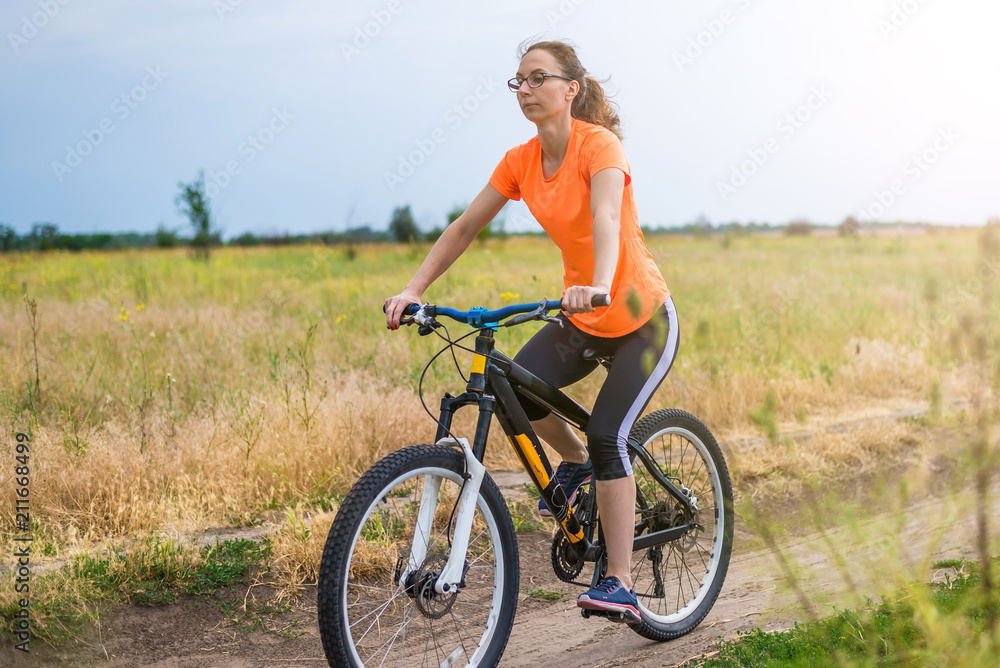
x=592 y=355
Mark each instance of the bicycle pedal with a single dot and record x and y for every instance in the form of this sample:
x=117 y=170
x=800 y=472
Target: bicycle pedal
x=617 y=617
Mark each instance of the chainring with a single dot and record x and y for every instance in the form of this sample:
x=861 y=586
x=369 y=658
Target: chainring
x=567 y=560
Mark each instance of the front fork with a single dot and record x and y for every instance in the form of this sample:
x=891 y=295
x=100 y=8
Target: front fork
x=454 y=570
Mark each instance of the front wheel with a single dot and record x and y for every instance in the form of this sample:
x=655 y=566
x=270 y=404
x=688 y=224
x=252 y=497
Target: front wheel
x=377 y=607
x=677 y=582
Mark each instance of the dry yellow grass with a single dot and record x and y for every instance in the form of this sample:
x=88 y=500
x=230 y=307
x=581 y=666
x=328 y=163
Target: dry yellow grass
x=266 y=379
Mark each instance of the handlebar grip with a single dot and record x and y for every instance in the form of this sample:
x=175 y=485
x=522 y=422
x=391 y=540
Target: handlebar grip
x=598 y=301
x=409 y=310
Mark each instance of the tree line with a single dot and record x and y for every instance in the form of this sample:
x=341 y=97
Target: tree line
x=193 y=203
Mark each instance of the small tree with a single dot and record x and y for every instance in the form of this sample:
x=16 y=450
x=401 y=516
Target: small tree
x=8 y=238
x=193 y=203
x=701 y=228
x=44 y=236
x=401 y=227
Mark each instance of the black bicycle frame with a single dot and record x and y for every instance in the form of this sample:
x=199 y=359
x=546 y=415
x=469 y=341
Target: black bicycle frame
x=494 y=385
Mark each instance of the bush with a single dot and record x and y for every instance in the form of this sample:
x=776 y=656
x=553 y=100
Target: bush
x=165 y=238
x=799 y=228
x=850 y=227
x=245 y=239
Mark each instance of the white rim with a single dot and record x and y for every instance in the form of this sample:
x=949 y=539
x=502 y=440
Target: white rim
x=717 y=539
x=498 y=576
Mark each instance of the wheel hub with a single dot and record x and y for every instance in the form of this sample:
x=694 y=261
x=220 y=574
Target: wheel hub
x=667 y=515
x=420 y=587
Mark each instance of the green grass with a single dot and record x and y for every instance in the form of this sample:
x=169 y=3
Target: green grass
x=525 y=515
x=150 y=574
x=941 y=624
x=545 y=594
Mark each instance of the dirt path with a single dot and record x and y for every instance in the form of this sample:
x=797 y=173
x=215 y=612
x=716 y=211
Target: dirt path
x=545 y=632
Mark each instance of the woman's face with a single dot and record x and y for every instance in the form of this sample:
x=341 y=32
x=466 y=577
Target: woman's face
x=550 y=100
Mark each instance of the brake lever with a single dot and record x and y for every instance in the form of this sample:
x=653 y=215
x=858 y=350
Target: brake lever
x=537 y=314
x=552 y=318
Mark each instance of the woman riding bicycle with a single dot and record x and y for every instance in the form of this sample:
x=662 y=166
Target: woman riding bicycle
x=576 y=181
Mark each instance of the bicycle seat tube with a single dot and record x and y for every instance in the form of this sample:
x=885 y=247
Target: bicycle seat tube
x=529 y=450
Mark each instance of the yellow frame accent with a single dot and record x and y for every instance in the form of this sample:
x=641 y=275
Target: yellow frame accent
x=478 y=364
x=524 y=445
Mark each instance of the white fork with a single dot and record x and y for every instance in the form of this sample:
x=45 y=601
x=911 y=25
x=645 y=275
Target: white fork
x=451 y=575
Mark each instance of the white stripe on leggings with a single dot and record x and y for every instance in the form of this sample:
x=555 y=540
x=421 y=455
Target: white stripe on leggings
x=659 y=373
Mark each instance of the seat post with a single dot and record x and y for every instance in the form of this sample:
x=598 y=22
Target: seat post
x=591 y=355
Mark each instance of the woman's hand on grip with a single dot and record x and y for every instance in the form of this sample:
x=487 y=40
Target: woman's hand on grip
x=577 y=299
x=394 y=307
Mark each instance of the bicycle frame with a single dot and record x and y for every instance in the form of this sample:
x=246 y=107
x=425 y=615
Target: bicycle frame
x=495 y=382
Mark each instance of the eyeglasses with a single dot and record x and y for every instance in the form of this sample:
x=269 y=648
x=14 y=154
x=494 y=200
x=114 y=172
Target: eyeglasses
x=534 y=80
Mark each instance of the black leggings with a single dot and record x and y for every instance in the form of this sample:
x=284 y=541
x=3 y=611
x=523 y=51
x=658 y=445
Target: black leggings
x=641 y=362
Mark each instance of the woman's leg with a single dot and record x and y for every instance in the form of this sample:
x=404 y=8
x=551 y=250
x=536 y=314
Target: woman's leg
x=641 y=362
x=562 y=438
x=616 y=503
x=555 y=354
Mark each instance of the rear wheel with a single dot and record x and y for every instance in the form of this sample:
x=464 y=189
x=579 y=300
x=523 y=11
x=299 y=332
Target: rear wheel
x=678 y=582
x=368 y=617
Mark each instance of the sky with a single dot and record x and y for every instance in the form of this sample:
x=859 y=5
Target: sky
x=311 y=116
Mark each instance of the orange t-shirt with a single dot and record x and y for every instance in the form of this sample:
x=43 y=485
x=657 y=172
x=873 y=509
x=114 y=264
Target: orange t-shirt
x=561 y=205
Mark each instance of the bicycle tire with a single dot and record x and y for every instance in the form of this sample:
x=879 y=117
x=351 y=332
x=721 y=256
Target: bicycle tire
x=684 y=448
x=370 y=514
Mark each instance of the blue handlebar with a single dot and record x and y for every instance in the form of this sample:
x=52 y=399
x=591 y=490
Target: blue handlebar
x=466 y=317
x=480 y=317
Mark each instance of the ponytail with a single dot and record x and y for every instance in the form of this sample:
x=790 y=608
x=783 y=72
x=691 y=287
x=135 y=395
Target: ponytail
x=591 y=105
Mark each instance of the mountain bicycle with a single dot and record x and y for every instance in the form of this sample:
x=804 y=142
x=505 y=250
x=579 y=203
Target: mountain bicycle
x=421 y=563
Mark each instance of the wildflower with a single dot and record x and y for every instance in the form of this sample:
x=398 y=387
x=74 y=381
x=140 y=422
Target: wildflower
x=340 y=318
x=508 y=296
x=139 y=307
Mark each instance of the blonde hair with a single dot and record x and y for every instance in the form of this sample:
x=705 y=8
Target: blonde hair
x=590 y=105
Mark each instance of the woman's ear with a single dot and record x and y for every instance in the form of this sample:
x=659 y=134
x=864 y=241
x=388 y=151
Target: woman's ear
x=571 y=93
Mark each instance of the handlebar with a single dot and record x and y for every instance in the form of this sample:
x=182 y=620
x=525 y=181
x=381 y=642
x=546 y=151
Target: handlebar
x=479 y=317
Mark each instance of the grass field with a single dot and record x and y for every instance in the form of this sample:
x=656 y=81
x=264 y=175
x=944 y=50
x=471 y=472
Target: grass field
x=165 y=395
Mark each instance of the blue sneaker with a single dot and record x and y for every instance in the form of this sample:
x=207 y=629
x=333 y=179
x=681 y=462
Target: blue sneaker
x=610 y=596
x=570 y=477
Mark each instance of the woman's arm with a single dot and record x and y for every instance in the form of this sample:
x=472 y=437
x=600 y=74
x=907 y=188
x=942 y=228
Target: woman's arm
x=607 y=187
x=450 y=245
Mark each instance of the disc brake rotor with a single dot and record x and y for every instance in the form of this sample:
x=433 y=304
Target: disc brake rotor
x=430 y=603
